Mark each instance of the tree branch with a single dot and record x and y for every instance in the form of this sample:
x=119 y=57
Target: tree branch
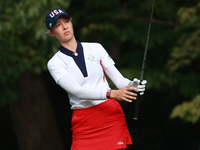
x=145 y=19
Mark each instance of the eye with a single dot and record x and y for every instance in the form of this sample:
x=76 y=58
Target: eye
x=57 y=25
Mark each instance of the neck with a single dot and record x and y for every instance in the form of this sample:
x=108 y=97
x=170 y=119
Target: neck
x=70 y=45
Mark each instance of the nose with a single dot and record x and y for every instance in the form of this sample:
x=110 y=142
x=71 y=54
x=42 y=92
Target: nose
x=64 y=26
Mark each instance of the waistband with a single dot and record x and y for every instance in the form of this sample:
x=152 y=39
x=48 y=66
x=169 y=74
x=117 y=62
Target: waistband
x=94 y=108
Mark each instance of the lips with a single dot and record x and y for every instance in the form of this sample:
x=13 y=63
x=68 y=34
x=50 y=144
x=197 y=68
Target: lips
x=66 y=33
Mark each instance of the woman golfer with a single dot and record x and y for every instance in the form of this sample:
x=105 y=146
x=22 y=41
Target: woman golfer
x=98 y=121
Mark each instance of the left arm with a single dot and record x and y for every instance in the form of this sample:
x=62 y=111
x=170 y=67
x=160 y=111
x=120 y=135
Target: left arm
x=116 y=77
x=121 y=81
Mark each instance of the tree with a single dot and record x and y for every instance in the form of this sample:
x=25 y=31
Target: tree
x=25 y=50
x=121 y=27
x=184 y=59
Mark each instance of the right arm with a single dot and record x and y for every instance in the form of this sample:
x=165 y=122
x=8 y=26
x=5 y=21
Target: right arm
x=124 y=93
x=63 y=78
x=69 y=84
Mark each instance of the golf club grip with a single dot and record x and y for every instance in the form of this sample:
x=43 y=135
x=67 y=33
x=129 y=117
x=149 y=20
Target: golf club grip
x=137 y=105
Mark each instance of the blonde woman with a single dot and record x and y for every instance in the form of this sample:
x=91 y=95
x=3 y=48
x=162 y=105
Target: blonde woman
x=98 y=121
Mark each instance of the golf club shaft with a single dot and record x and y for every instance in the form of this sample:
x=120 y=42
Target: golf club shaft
x=143 y=65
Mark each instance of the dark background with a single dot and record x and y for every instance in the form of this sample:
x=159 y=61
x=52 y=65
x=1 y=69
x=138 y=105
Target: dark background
x=35 y=112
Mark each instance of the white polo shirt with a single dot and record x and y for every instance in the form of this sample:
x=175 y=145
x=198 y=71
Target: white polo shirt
x=86 y=68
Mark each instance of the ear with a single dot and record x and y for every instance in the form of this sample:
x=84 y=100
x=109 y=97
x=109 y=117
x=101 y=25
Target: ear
x=51 y=32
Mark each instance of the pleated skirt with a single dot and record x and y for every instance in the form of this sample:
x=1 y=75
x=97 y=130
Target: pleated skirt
x=100 y=127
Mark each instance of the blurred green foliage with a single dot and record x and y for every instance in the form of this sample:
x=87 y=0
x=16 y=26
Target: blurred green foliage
x=186 y=52
x=23 y=42
x=185 y=59
x=172 y=66
x=173 y=51
x=188 y=111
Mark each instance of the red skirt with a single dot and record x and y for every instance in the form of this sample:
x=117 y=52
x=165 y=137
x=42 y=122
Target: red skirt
x=100 y=127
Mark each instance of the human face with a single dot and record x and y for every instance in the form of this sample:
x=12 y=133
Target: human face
x=63 y=30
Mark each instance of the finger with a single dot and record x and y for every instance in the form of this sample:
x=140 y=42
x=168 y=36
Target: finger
x=141 y=93
x=131 y=94
x=128 y=100
x=136 y=80
x=144 y=82
x=141 y=90
x=131 y=98
x=141 y=86
x=130 y=85
x=132 y=89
